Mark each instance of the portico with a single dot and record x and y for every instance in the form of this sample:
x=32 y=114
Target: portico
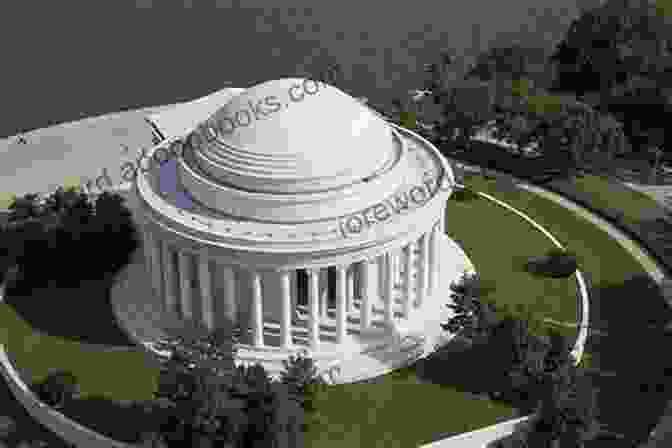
x=380 y=292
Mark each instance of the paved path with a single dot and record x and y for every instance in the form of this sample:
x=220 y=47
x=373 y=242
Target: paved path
x=661 y=436
x=663 y=431
x=69 y=152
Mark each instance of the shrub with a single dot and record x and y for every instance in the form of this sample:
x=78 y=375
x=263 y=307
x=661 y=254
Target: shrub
x=7 y=426
x=473 y=317
x=57 y=388
x=302 y=378
x=464 y=194
x=556 y=263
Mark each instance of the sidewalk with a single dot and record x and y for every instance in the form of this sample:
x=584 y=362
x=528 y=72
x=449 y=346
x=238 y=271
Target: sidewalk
x=660 y=193
x=661 y=435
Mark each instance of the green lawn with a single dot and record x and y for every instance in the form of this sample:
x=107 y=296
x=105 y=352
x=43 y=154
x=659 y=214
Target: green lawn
x=378 y=414
x=6 y=199
x=604 y=259
x=499 y=242
x=624 y=302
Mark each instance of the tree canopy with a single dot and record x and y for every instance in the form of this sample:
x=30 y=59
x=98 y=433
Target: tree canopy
x=621 y=51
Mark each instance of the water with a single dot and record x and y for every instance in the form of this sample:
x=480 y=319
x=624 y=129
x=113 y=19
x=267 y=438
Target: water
x=67 y=60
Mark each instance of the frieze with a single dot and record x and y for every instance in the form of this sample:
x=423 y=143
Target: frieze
x=410 y=199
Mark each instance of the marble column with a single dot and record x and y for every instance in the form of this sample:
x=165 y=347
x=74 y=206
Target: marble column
x=205 y=283
x=185 y=284
x=313 y=308
x=382 y=272
x=437 y=256
x=389 y=290
x=408 y=280
x=351 y=288
x=257 y=317
x=293 y=292
x=285 y=310
x=369 y=283
x=424 y=269
x=431 y=261
x=324 y=291
x=169 y=278
x=396 y=271
x=341 y=297
x=230 y=295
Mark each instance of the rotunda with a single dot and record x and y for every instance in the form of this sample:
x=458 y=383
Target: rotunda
x=303 y=219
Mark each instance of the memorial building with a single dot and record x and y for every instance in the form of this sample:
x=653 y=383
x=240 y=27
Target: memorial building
x=293 y=212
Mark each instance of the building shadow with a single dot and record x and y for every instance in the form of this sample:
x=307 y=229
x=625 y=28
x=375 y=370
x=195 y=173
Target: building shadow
x=80 y=314
x=629 y=350
x=121 y=421
x=27 y=428
x=463 y=366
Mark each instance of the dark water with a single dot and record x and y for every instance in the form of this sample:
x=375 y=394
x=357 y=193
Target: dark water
x=68 y=59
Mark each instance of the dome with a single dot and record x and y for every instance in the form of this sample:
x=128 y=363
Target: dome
x=292 y=136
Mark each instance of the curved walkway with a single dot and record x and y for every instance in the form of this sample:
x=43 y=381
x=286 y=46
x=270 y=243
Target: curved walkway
x=486 y=435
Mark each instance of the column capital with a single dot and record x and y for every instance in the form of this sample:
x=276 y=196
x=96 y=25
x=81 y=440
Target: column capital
x=342 y=267
x=370 y=260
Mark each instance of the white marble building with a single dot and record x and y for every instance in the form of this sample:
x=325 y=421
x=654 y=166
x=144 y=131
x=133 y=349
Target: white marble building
x=313 y=224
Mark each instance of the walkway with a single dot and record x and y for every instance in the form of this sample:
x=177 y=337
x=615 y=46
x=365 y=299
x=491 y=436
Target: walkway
x=656 y=272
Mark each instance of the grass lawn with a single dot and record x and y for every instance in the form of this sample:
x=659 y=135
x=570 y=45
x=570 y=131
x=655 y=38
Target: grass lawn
x=499 y=243
x=41 y=331
x=624 y=300
x=6 y=199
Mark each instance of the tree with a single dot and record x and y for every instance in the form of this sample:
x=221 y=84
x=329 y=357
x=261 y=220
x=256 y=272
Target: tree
x=302 y=378
x=113 y=226
x=567 y=411
x=406 y=117
x=621 y=50
x=466 y=102
x=215 y=403
x=563 y=128
x=514 y=61
x=7 y=426
x=152 y=439
x=58 y=388
x=473 y=317
x=24 y=207
x=191 y=343
x=656 y=140
x=195 y=382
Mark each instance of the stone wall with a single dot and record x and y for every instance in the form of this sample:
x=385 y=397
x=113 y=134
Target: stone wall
x=68 y=430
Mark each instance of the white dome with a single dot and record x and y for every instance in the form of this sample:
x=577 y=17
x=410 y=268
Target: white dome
x=293 y=136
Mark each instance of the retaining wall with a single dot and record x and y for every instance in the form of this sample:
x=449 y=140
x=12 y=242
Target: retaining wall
x=486 y=437
x=69 y=430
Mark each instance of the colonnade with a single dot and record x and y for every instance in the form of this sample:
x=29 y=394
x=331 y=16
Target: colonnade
x=199 y=287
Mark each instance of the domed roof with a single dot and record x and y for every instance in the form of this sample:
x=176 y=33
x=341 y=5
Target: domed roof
x=293 y=136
